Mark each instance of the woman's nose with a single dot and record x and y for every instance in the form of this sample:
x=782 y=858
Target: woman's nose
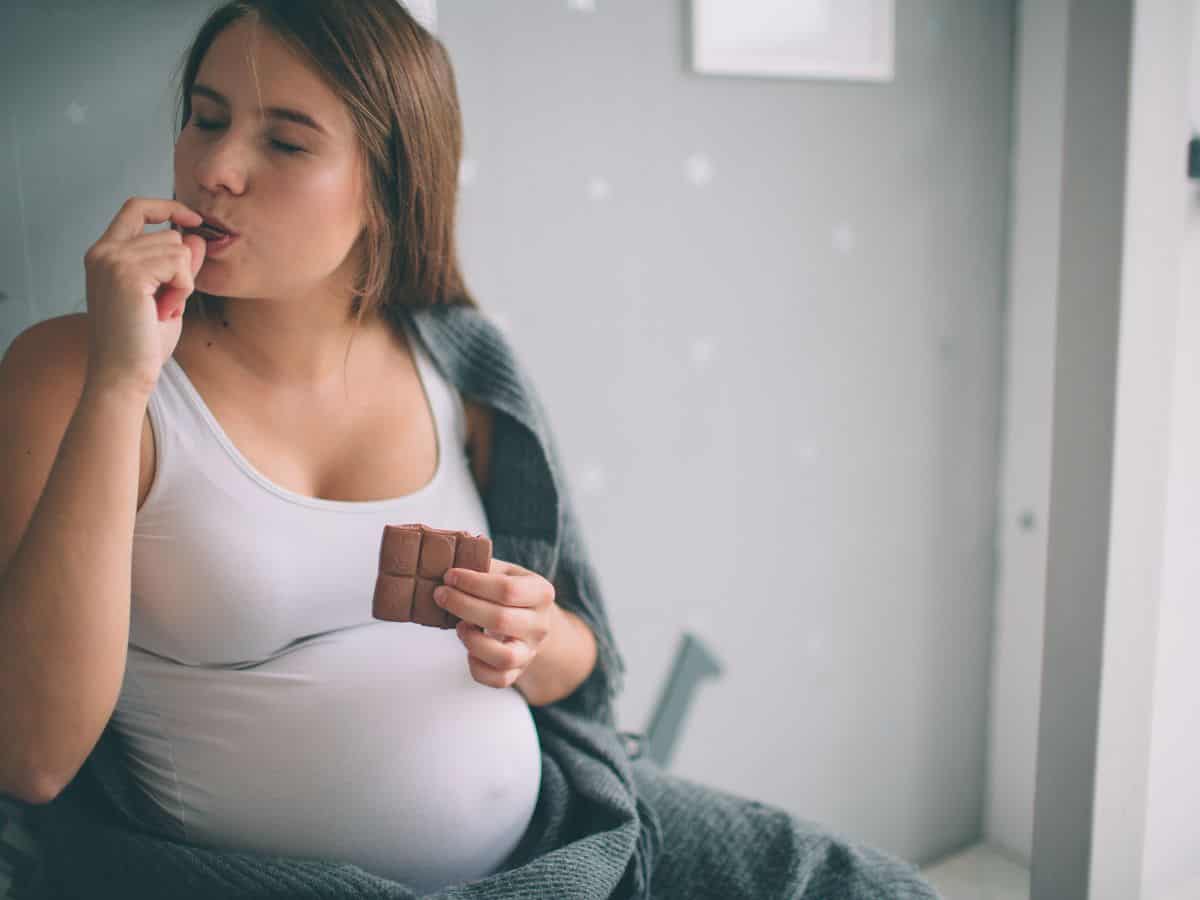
x=222 y=163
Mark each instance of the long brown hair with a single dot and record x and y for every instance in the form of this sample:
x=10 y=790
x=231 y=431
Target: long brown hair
x=398 y=85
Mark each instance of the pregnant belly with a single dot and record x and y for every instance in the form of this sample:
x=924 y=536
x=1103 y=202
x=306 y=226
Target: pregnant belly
x=370 y=745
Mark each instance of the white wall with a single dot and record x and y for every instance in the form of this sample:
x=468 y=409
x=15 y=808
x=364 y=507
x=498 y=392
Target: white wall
x=1156 y=190
x=1172 y=845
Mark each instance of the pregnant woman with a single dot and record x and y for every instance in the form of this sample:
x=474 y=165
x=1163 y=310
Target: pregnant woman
x=197 y=700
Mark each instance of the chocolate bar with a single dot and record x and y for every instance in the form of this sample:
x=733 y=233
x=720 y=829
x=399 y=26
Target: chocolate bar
x=412 y=560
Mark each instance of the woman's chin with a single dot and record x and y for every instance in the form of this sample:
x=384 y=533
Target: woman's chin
x=209 y=281
x=211 y=273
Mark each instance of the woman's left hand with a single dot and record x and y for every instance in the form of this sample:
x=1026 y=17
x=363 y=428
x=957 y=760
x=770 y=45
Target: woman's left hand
x=506 y=612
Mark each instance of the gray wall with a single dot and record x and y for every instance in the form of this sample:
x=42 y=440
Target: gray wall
x=1088 y=313
x=766 y=318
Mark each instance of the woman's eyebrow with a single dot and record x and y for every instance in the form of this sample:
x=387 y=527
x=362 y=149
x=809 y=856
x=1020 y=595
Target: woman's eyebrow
x=274 y=112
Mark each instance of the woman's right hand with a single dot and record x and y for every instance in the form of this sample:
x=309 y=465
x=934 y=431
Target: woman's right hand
x=137 y=286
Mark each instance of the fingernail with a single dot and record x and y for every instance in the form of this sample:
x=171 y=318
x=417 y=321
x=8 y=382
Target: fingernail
x=439 y=596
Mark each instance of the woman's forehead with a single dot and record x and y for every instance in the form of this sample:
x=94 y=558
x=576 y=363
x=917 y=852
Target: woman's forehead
x=250 y=66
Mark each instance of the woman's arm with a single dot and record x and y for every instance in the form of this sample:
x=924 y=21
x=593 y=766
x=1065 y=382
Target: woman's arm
x=479 y=440
x=564 y=661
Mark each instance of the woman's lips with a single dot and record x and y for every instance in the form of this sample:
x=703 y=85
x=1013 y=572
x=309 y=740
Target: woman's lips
x=214 y=222
x=214 y=240
x=208 y=232
x=215 y=245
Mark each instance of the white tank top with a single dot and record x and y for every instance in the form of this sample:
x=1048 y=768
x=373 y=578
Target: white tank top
x=266 y=710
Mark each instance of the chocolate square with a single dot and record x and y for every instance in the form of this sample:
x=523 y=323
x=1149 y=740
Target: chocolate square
x=393 y=597
x=473 y=554
x=424 y=610
x=437 y=554
x=399 y=550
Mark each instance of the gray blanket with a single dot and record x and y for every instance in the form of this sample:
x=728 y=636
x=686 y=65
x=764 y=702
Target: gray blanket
x=609 y=823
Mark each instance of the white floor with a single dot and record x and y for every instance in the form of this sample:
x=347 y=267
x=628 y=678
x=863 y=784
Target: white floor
x=979 y=873
x=984 y=873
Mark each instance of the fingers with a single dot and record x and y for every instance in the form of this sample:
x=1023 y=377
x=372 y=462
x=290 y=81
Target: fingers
x=137 y=212
x=494 y=662
x=480 y=611
x=504 y=584
x=508 y=568
x=167 y=237
x=173 y=270
x=199 y=250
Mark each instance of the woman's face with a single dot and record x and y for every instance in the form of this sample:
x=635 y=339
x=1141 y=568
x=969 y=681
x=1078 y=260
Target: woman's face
x=291 y=191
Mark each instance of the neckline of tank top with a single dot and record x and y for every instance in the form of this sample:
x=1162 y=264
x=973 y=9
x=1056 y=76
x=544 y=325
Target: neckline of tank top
x=322 y=503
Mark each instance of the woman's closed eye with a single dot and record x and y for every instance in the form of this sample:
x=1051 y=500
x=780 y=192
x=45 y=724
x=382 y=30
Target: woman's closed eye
x=212 y=126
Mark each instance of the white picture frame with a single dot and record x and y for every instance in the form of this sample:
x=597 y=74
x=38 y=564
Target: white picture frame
x=851 y=40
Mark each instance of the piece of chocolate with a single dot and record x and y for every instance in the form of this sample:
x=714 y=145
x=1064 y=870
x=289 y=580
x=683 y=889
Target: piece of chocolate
x=394 y=597
x=412 y=560
x=399 y=550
